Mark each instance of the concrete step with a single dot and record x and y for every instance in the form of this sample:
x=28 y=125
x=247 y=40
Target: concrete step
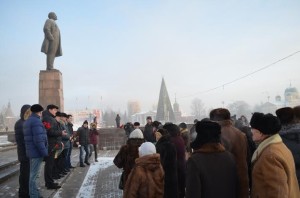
x=8 y=170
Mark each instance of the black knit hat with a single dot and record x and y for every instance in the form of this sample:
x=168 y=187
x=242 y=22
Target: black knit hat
x=85 y=122
x=36 y=108
x=285 y=115
x=207 y=132
x=219 y=114
x=58 y=114
x=52 y=106
x=265 y=123
x=63 y=115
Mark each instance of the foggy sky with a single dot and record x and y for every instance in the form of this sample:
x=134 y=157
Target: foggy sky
x=120 y=50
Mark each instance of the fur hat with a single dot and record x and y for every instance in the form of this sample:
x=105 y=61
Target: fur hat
x=156 y=124
x=58 y=114
x=297 y=112
x=207 y=132
x=136 y=124
x=93 y=124
x=63 y=115
x=172 y=129
x=136 y=133
x=285 y=115
x=219 y=114
x=52 y=106
x=265 y=123
x=85 y=122
x=36 y=108
x=147 y=148
x=182 y=125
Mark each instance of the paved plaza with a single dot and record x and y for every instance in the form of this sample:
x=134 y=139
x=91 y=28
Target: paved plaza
x=100 y=179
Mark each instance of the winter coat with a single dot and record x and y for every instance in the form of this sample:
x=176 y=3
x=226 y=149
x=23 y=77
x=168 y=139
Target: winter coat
x=66 y=138
x=211 y=172
x=19 y=135
x=235 y=142
x=168 y=158
x=54 y=132
x=83 y=135
x=52 y=38
x=70 y=128
x=146 y=179
x=94 y=134
x=35 y=137
x=148 y=133
x=126 y=156
x=273 y=172
x=186 y=137
x=181 y=163
x=290 y=135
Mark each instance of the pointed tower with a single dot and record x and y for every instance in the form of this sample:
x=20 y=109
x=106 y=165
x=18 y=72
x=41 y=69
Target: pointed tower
x=165 y=112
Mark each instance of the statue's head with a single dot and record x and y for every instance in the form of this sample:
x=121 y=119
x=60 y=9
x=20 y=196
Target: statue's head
x=52 y=15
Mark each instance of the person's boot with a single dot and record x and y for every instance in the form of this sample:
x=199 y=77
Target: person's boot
x=53 y=186
x=82 y=165
x=87 y=163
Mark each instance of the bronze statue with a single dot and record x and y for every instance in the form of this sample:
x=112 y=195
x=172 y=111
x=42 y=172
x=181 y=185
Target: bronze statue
x=51 y=45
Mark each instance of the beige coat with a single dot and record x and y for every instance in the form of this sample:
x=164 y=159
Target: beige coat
x=273 y=173
x=236 y=143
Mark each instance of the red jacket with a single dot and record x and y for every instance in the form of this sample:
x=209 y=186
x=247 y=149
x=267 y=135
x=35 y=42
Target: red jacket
x=94 y=136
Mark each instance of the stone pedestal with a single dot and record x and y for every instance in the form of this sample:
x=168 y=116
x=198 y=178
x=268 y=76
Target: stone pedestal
x=51 y=89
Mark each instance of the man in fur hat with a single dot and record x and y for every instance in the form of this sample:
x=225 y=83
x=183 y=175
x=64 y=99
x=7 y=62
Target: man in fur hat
x=273 y=173
x=235 y=142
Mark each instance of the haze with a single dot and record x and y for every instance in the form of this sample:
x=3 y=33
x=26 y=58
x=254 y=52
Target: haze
x=116 y=51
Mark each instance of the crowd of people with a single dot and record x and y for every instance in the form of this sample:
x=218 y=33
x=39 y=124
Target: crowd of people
x=47 y=135
x=220 y=156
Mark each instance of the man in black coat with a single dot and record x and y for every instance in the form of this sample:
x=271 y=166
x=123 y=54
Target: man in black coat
x=23 y=159
x=53 y=133
x=83 y=134
x=168 y=158
x=148 y=132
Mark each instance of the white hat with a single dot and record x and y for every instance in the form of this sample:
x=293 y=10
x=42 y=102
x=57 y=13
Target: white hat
x=136 y=133
x=147 y=148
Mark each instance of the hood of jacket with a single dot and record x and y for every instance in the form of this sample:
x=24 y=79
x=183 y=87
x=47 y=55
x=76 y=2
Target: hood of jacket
x=149 y=162
x=24 y=113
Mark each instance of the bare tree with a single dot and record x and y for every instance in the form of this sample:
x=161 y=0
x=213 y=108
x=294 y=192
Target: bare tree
x=239 y=108
x=197 y=108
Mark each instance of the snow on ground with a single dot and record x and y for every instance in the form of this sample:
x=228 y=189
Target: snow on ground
x=88 y=186
x=3 y=140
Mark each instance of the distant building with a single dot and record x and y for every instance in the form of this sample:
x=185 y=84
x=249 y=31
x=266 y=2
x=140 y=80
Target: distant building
x=9 y=119
x=177 y=112
x=91 y=115
x=165 y=111
x=142 y=116
x=133 y=107
x=291 y=99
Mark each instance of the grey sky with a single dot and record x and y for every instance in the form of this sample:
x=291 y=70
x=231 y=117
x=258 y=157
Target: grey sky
x=120 y=50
